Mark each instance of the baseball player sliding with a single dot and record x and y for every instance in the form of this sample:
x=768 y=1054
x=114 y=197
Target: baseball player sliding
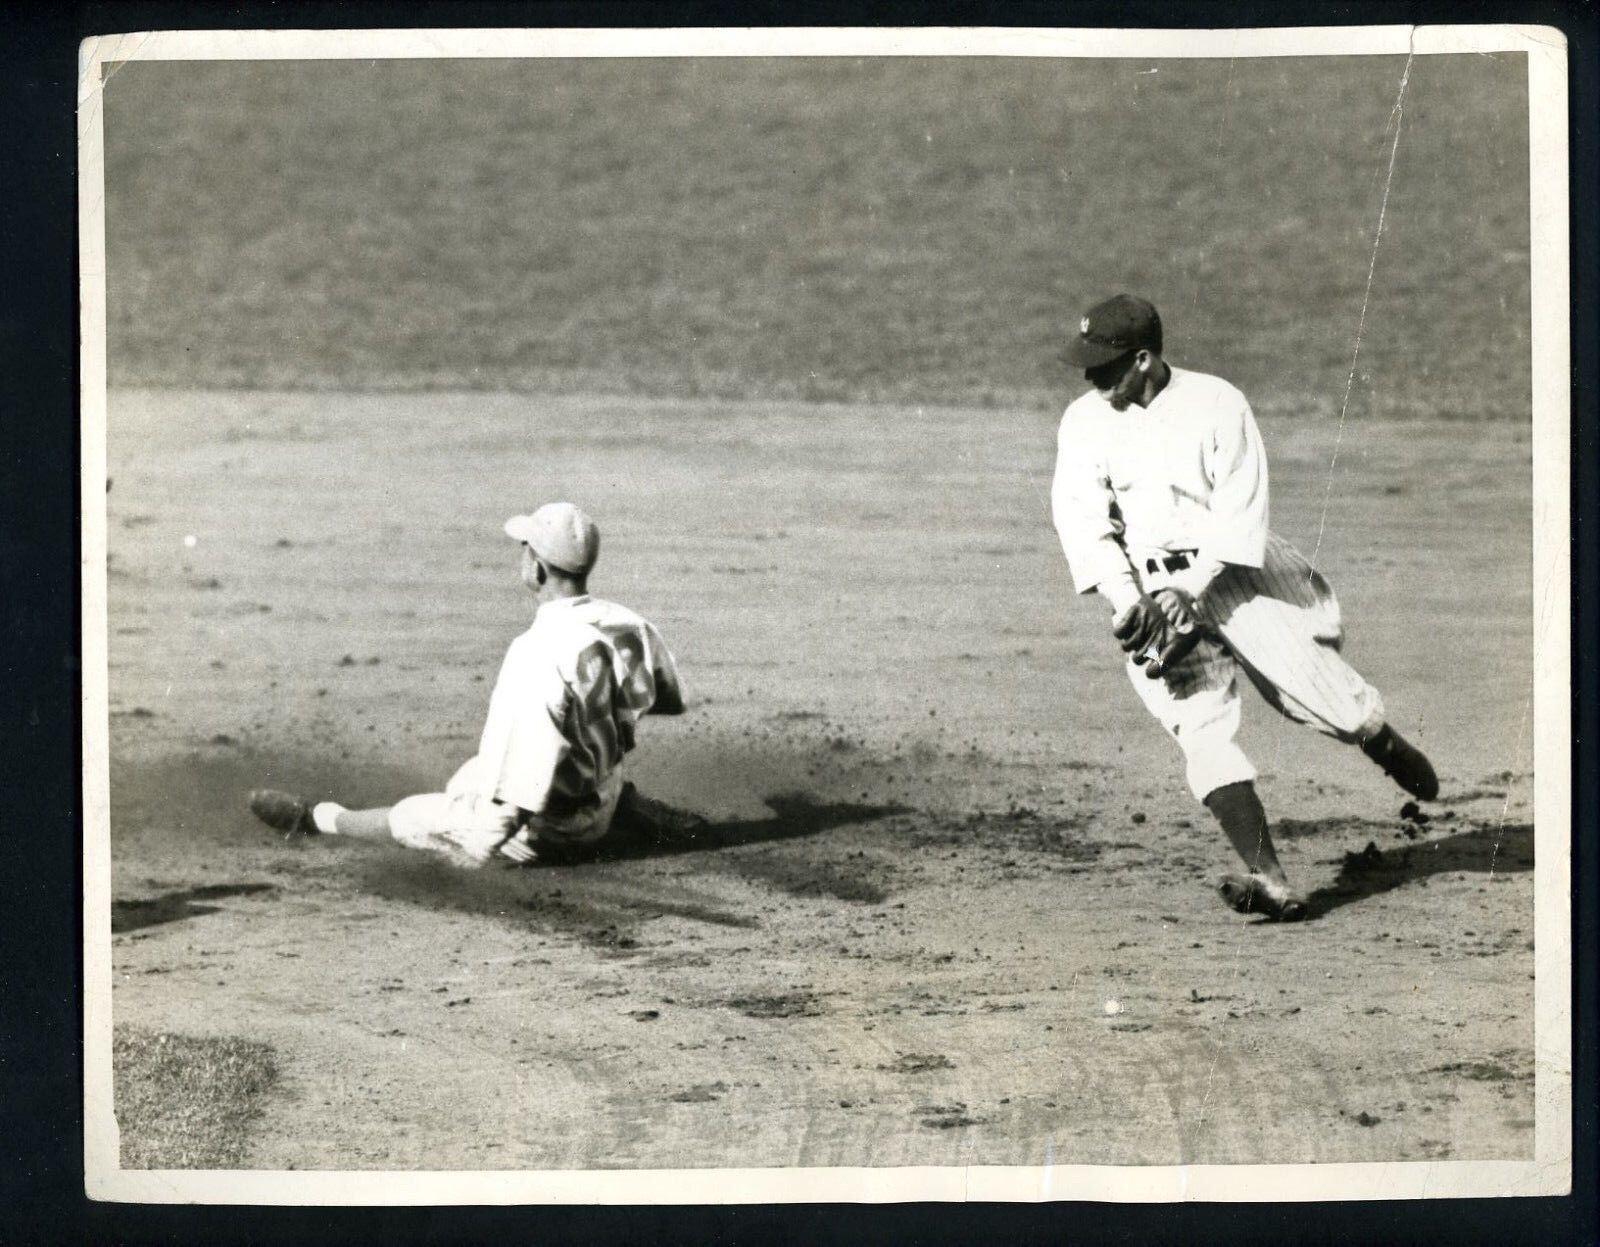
x=1160 y=500
x=546 y=780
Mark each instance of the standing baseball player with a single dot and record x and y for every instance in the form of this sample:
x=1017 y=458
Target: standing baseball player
x=546 y=781
x=1160 y=500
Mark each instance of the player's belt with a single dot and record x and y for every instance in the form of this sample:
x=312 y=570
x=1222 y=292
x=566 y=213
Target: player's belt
x=1177 y=561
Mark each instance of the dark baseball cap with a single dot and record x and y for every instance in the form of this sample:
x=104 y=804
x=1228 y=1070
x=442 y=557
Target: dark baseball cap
x=1120 y=324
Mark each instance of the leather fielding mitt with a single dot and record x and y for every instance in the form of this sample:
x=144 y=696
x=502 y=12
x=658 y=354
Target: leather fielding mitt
x=1158 y=631
x=1176 y=646
x=1140 y=626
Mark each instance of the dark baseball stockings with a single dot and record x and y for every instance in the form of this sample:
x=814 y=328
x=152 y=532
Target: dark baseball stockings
x=1244 y=821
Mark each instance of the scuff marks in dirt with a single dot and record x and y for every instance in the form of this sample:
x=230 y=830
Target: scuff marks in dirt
x=700 y=1093
x=851 y=877
x=589 y=903
x=947 y=1116
x=1505 y=1066
x=917 y=1063
x=1061 y=840
x=792 y=1004
x=607 y=903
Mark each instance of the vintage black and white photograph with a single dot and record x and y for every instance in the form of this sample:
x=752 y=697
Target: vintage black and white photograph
x=734 y=616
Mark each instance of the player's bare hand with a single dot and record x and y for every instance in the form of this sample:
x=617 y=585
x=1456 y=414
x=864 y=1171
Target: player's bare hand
x=1140 y=626
x=490 y=827
x=519 y=848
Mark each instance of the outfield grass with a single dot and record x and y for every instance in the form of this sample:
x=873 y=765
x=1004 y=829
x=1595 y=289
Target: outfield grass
x=896 y=230
x=185 y=1102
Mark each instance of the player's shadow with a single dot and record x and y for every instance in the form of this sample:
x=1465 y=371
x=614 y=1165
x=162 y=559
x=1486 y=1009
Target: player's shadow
x=1374 y=871
x=135 y=915
x=794 y=815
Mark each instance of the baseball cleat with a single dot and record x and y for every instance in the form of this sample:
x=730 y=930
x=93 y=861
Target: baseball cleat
x=1403 y=762
x=661 y=822
x=282 y=812
x=1256 y=894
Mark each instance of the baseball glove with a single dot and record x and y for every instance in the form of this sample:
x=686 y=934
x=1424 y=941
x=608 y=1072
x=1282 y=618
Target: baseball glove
x=1140 y=626
x=1175 y=647
x=1182 y=634
x=1158 y=631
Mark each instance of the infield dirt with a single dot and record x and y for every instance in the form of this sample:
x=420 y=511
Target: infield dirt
x=960 y=911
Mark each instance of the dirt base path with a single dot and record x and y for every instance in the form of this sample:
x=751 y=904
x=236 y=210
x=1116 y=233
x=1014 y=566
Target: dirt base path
x=960 y=911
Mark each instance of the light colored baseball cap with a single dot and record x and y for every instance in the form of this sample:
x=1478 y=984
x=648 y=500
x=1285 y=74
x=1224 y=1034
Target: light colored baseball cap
x=560 y=534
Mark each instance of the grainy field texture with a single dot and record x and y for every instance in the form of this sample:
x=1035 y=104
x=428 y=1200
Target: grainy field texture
x=848 y=230
x=788 y=330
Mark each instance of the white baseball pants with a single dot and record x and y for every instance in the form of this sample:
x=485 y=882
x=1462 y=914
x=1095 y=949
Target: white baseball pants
x=1280 y=624
x=466 y=826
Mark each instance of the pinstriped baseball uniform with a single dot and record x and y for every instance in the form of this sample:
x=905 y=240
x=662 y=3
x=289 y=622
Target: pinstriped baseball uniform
x=1176 y=494
x=561 y=718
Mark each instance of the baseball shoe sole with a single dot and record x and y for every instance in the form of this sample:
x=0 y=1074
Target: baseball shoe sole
x=1404 y=763
x=1256 y=894
x=660 y=821
x=282 y=812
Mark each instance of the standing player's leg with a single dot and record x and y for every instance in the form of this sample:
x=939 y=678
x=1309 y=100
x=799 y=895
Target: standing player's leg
x=1282 y=623
x=1265 y=889
x=1197 y=702
x=1238 y=809
x=1402 y=762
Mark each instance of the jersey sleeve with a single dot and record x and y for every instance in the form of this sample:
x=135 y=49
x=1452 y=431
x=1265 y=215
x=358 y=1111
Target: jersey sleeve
x=664 y=669
x=1084 y=509
x=522 y=744
x=647 y=674
x=1236 y=464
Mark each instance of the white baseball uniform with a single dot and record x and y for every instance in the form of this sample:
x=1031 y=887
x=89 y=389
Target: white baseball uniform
x=562 y=716
x=1176 y=494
